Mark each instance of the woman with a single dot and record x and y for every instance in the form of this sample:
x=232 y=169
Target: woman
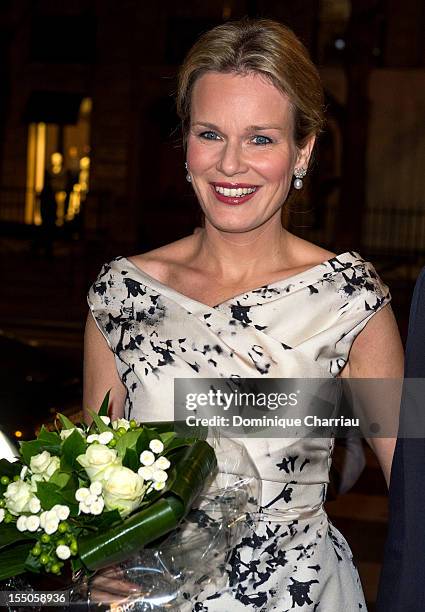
x=245 y=297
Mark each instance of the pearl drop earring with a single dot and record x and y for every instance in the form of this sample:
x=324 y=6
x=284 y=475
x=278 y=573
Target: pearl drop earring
x=188 y=177
x=299 y=174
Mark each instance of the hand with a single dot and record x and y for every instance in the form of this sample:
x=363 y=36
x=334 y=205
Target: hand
x=109 y=586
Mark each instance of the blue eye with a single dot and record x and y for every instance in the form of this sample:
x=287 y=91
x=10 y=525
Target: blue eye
x=207 y=135
x=264 y=140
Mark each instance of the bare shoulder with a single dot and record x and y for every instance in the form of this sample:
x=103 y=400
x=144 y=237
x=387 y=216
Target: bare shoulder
x=160 y=263
x=306 y=254
x=377 y=352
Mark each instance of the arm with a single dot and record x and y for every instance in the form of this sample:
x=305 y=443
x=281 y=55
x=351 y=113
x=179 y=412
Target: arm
x=377 y=352
x=100 y=373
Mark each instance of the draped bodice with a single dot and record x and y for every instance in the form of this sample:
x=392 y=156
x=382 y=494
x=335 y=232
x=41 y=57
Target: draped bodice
x=301 y=326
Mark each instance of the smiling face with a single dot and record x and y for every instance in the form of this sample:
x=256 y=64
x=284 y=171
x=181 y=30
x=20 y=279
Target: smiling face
x=241 y=152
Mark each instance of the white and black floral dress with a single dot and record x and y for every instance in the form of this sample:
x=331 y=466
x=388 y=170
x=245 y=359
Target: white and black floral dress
x=302 y=326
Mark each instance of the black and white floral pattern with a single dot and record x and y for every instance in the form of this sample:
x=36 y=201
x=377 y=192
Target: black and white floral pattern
x=302 y=326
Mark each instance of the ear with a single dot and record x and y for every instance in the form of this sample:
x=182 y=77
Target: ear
x=304 y=154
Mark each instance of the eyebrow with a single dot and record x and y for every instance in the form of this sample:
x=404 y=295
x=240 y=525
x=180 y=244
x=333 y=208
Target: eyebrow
x=250 y=128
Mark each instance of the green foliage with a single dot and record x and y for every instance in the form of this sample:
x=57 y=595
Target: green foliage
x=131 y=459
x=12 y=560
x=73 y=446
x=9 y=469
x=162 y=515
x=51 y=493
x=101 y=426
x=32 y=564
x=128 y=440
x=46 y=441
x=106 y=538
x=66 y=423
x=9 y=535
x=103 y=410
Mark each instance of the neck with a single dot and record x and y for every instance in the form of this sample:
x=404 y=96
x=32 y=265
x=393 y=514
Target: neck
x=235 y=257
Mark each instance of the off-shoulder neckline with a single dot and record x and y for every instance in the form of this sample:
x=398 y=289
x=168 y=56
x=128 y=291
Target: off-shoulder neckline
x=286 y=284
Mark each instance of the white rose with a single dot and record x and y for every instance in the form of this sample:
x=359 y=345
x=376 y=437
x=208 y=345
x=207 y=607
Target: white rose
x=156 y=446
x=39 y=463
x=18 y=496
x=34 y=505
x=122 y=490
x=96 y=488
x=44 y=464
x=43 y=516
x=52 y=467
x=33 y=522
x=146 y=472
x=96 y=459
x=105 y=419
x=63 y=552
x=121 y=423
x=81 y=494
x=2 y=513
x=82 y=507
x=62 y=512
x=147 y=458
x=105 y=437
x=21 y=523
x=51 y=525
x=159 y=476
x=97 y=506
x=162 y=463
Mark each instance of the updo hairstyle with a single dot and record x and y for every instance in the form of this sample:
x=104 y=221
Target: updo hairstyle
x=260 y=46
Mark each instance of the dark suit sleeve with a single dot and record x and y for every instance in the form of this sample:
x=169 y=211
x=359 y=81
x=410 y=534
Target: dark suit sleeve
x=402 y=584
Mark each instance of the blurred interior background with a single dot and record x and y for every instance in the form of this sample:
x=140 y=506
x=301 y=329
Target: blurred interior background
x=91 y=166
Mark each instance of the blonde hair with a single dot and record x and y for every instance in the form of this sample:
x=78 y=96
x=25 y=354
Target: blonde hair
x=260 y=46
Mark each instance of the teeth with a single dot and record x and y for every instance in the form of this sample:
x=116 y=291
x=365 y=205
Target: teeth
x=235 y=193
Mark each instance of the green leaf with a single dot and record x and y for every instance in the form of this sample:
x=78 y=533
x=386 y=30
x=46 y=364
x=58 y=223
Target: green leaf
x=167 y=437
x=191 y=468
x=29 y=449
x=7 y=468
x=9 y=535
x=50 y=440
x=50 y=494
x=12 y=560
x=73 y=446
x=60 y=478
x=32 y=564
x=46 y=440
x=66 y=423
x=143 y=440
x=103 y=410
x=131 y=459
x=129 y=440
x=101 y=426
x=177 y=443
x=105 y=520
x=138 y=530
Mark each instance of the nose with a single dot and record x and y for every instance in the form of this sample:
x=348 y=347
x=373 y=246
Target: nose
x=231 y=160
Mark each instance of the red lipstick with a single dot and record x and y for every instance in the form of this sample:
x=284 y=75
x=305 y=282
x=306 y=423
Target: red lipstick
x=234 y=201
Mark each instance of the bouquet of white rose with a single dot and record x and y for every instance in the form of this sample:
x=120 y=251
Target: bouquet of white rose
x=94 y=495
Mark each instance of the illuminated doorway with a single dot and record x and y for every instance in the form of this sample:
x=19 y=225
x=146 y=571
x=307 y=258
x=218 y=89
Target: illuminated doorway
x=58 y=166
